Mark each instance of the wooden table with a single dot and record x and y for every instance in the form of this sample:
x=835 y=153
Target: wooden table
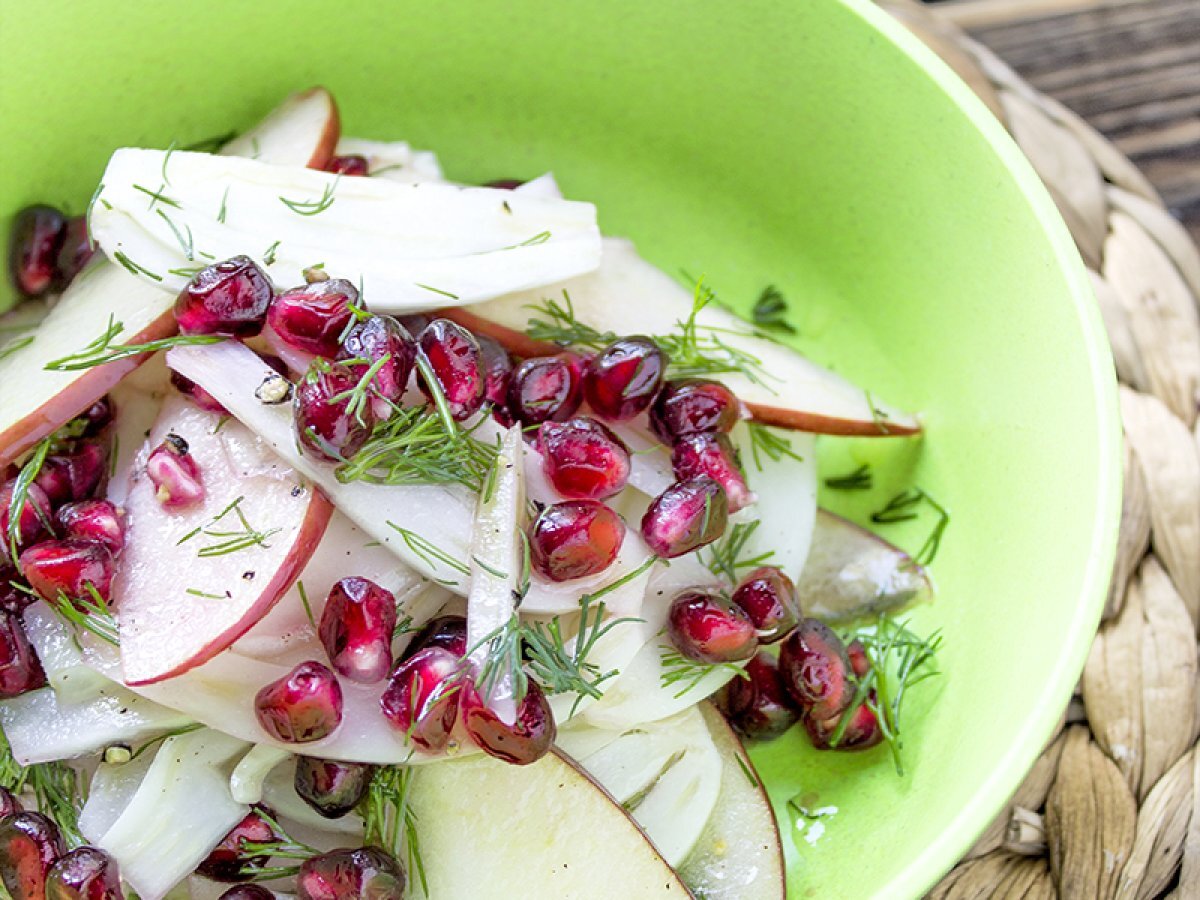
x=1130 y=67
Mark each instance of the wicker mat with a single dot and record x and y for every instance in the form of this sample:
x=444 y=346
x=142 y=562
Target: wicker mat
x=1112 y=808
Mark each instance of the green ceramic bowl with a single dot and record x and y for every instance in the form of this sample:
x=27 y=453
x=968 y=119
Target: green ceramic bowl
x=814 y=145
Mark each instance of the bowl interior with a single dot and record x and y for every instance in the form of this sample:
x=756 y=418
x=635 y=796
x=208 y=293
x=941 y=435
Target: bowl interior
x=814 y=146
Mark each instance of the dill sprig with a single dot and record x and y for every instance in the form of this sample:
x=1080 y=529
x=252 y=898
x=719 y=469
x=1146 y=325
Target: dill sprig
x=102 y=350
x=20 y=493
x=16 y=344
x=285 y=847
x=155 y=741
x=157 y=196
x=433 y=555
x=389 y=819
x=134 y=268
x=55 y=786
x=903 y=507
x=230 y=541
x=311 y=207
x=679 y=669
x=357 y=397
x=186 y=242
x=769 y=443
x=860 y=479
x=90 y=613
x=724 y=558
x=562 y=327
x=770 y=311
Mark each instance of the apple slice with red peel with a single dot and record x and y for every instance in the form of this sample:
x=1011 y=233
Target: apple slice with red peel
x=34 y=401
x=191 y=581
x=852 y=573
x=627 y=295
x=302 y=131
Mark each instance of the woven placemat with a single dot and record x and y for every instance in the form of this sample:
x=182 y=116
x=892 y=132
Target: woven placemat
x=1112 y=807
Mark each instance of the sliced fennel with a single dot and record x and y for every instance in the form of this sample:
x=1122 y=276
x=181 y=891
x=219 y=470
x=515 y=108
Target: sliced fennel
x=246 y=782
x=394 y=160
x=66 y=670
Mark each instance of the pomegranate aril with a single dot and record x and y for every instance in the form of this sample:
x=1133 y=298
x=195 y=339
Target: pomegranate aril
x=331 y=787
x=68 y=568
x=583 y=459
x=623 y=379
x=372 y=339
x=12 y=598
x=712 y=455
x=92 y=520
x=693 y=406
x=303 y=706
x=365 y=873
x=686 y=516
x=228 y=298
x=20 y=668
x=356 y=629
x=758 y=706
x=768 y=598
x=30 y=844
x=97 y=417
x=37 y=236
x=351 y=164
x=505 y=184
x=77 y=250
x=229 y=860
x=177 y=479
x=9 y=805
x=247 y=892
x=421 y=698
x=497 y=371
x=574 y=539
x=327 y=425
x=860 y=663
x=707 y=628
x=84 y=874
x=525 y=741
x=816 y=670
x=314 y=317
x=456 y=362
x=32 y=516
x=447 y=632
x=861 y=732
x=73 y=477
x=197 y=394
x=546 y=389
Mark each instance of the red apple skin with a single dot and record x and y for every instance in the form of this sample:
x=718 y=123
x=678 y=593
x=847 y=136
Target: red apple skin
x=521 y=344
x=324 y=151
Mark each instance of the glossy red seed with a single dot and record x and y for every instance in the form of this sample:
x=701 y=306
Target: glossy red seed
x=816 y=670
x=30 y=844
x=373 y=339
x=448 y=632
x=356 y=629
x=574 y=539
x=497 y=371
x=365 y=873
x=583 y=459
x=175 y=474
x=37 y=236
x=326 y=424
x=247 y=892
x=303 y=706
x=331 y=787
x=12 y=599
x=229 y=860
x=713 y=455
x=693 y=406
x=92 y=520
x=197 y=394
x=20 y=668
x=456 y=361
x=525 y=741
x=9 y=805
x=313 y=318
x=84 y=874
x=77 y=251
x=97 y=417
x=31 y=517
x=686 y=516
x=546 y=389
x=351 y=164
x=623 y=379
x=860 y=663
x=758 y=706
x=68 y=567
x=76 y=476
x=421 y=698
x=708 y=629
x=862 y=731
x=768 y=598
x=229 y=298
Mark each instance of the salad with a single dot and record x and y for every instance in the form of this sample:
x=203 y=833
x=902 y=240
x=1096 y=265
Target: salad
x=370 y=535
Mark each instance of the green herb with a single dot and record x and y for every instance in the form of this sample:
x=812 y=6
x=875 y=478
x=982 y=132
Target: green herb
x=623 y=580
x=878 y=416
x=56 y=788
x=750 y=774
x=429 y=552
x=678 y=669
x=90 y=613
x=19 y=343
x=157 y=196
x=725 y=557
x=230 y=541
x=186 y=243
x=639 y=797
x=858 y=480
x=771 y=444
x=88 y=215
x=155 y=741
x=20 y=493
x=132 y=267
x=356 y=398
x=539 y=238
x=209 y=144
x=426 y=287
x=166 y=159
x=770 y=311
x=224 y=207
x=312 y=207
x=102 y=350
x=308 y=610
x=903 y=507
x=284 y=847
x=389 y=820
x=269 y=256
x=188 y=272
x=196 y=592
x=562 y=327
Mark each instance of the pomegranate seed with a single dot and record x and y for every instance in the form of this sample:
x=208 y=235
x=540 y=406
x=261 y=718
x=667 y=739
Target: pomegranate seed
x=197 y=394
x=768 y=598
x=583 y=459
x=96 y=417
x=247 y=892
x=77 y=251
x=546 y=389
x=686 y=516
x=709 y=629
x=327 y=426
x=31 y=519
x=9 y=805
x=758 y=706
x=816 y=670
x=92 y=520
x=73 y=477
x=229 y=860
x=29 y=845
x=12 y=599
x=860 y=733
x=356 y=629
x=421 y=697
x=526 y=740
x=712 y=455
x=68 y=567
x=330 y=787
x=623 y=378
x=447 y=632
x=229 y=298
x=20 y=669
x=313 y=318
x=372 y=339
x=365 y=872
x=351 y=164
x=497 y=371
x=303 y=706
x=693 y=406
x=860 y=663
x=575 y=538
x=505 y=184
x=84 y=874
x=456 y=361
x=415 y=323
x=174 y=473
x=38 y=233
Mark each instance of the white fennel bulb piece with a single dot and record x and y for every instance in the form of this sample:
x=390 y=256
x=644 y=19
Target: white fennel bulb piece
x=545 y=186
x=394 y=160
x=112 y=789
x=73 y=680
x=246 y=782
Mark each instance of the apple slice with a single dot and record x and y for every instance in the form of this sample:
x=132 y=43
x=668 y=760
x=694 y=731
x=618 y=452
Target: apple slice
x=192 y=581
x=627 y=295
x=394 y=160
x=739 y=856
x=852 y=573
x=302 y=131
x=410 y=246
x=491 y=831
x=35 y=402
